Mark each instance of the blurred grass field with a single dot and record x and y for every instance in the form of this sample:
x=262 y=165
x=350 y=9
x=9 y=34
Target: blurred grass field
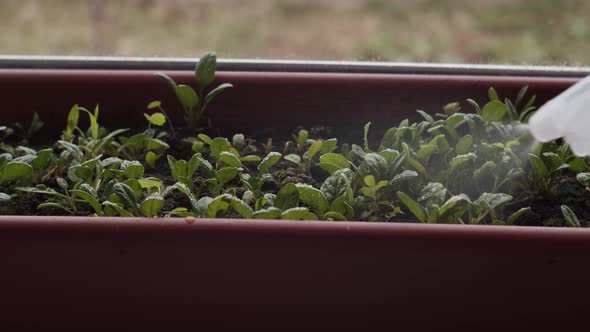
x=452 y=31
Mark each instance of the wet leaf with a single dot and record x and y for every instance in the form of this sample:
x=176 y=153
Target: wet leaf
x=412 y=205
x=287 y=197
x=464 y=145
x=226 y=174
x=270 y=160
x=230 y=159
x=313 y=197
x=270 y=213
x=299 y=213
x=494 y=111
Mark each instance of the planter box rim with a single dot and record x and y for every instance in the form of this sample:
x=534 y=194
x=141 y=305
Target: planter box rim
x=271 y=65
x=317 y=228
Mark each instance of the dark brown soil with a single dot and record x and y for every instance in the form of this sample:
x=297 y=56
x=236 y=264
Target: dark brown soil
x=546 y=208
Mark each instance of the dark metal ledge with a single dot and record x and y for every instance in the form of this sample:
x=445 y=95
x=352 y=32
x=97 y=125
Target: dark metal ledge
x=139 y=63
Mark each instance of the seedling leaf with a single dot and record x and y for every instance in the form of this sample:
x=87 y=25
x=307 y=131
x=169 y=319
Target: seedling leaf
x=412 y=205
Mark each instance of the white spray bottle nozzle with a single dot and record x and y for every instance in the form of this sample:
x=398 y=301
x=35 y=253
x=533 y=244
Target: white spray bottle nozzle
x=567 y=116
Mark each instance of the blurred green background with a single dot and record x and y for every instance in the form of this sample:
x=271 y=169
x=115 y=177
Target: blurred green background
x=452 y=31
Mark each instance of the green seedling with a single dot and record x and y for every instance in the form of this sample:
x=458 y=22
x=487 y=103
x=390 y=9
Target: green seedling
x=570 y=217
x=147 y=146
x=159 y=118
x=315 y=148
x=11 y=171
x=195 y=102
x=95 y=141
x=126 y=201
x=496 y=110
x=63 y=199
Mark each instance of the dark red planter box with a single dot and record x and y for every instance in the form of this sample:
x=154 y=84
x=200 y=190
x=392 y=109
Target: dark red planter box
x=203 y=274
